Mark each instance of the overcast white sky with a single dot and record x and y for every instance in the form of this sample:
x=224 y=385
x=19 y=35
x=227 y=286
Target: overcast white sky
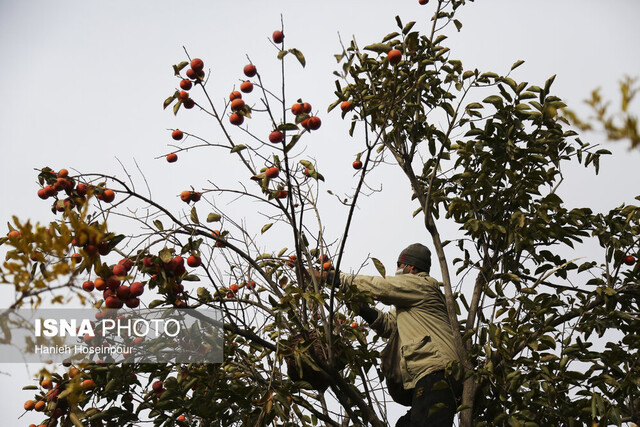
x=82 y=84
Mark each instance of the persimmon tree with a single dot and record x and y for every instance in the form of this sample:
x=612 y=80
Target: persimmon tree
x=479 y=149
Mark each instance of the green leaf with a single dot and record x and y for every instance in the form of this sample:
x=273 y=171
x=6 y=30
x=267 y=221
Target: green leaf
x=390 y=36
x=408 y=27
x=155 y=303
x=287 y=126
x=168 y=101
x=177 y=68
x=214 y=217
x=378 y=47
x=111 y=384
x=493 y=99
x=158 y=224
x=176 y=107
x=458 y=24
x=238 y=148
x=299 y=55
x=517 y=64
x=282 y=54
x=379 y=266
x=266 y=227
x=204 y=295
x=194 y=216
x=292 y=144
x=165 y=255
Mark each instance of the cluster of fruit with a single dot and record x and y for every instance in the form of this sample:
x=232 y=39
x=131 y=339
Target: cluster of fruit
x=115 y=293
x=234 y=289
x=190 y=196
x=324 y=261
x=53 y=402
x=54 y=183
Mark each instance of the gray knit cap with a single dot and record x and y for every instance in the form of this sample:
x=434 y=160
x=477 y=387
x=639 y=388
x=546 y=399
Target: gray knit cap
x=417 y=255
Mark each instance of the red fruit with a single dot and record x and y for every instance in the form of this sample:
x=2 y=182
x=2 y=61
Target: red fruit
x=305 y=123
x=188 y=103
x=185 y=196
x=40 y=405
x=126 y=262
x=13 y=234
x=172 y=158
x=113 y=302
x=346 y=106
x=306 y=108
x=192 y=74
x=250 y=70
x=88 y=286
x=177 y=134
x=195 y=196
x=157 y=386
x=50 y=190
x=326 y=265
x=119 y=270
x=423 y=2
x=183 y=95
x=63 y=173
x=132 y=302
x=282 y=194
x=103 y=248
x=217 y=234
x=181 y=419
x=278 y=36
x=251 y=284
x=291 y=262
x=197 y=64
x=234 y=288
x=123 y=292
x=147 y=261
x=194 y=261
x=108 y=195
x=276 y=136
x=236 y=119
x=42 y=193
x=629 y=260
x=354 y=325
x=81 y=189
x=60 y=184
x=394 y=56
x=76 y=257
x=246 y=87
x=272 y=172
x=185 y=84
x=297 y=109
x=314 y=122
x=235 y=95
x=237 y=104
x=136 y=289
x=100 y=284
x=29 y=405
x=357 y=164
x=113 y=282
x=88 y=384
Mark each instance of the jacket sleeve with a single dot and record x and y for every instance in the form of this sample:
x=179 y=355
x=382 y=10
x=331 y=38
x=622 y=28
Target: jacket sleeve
x=385 y=324
x=401 y=291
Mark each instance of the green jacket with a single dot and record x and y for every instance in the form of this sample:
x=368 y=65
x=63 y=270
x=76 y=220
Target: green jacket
x=419 y=316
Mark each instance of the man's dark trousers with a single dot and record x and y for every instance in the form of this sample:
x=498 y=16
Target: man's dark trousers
x=424 y=397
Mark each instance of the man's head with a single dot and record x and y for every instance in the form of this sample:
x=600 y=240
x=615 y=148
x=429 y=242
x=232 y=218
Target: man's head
x=414 y=259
